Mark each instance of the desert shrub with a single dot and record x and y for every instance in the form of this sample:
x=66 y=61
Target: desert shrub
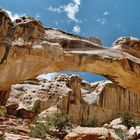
x=2 y=136
x=36 y=107
x=58 y=121
x=122 y=134
x=90 y=122
x=128 y=120
x=38 y=130
x=61 y=121
x=3 y=111
x=13 y=130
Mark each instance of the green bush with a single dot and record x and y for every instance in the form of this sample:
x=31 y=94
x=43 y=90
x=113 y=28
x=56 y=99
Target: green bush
x=3 y=111
x=38 y=130
x=11 y=130
x=61 y=121
x=122 y=134
x=36 y=107
x=128 y=120
x=2 y=136
x=90 y=122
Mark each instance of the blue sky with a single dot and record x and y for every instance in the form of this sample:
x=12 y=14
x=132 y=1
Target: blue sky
x=104 y=19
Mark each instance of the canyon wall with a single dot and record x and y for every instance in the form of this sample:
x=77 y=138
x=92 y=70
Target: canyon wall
x=69 y=94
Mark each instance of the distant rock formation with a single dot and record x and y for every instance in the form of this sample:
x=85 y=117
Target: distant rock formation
x=28 y=49
x=69 y=94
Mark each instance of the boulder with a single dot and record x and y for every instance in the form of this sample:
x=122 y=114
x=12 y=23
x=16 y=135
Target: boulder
x=132 y=133
x=85 y=133
x=138 y=131
x=116 y=121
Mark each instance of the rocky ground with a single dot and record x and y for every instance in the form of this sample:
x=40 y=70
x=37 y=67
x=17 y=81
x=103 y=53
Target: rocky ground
x=12 y=128
x=67 y=108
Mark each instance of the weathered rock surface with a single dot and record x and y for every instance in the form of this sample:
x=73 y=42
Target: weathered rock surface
x=9 y=136
x=116 y=121
x=85 y=133
x=28 y=49
x=12 y=128
x=106 y=132
x=132 y=133
x=130 y=45
x=69 y=94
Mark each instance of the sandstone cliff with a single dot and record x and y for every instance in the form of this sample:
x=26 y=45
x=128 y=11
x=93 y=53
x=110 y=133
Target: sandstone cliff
x=28 y=49
x=69 y=94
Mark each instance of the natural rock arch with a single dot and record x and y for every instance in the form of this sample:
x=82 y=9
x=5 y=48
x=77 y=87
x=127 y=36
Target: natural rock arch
x=28 y=49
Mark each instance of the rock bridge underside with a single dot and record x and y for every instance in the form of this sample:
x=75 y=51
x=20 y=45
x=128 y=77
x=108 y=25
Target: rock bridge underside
x=28 y=49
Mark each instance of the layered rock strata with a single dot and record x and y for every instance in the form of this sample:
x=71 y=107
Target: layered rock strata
x=69 y=94
x=28 y=49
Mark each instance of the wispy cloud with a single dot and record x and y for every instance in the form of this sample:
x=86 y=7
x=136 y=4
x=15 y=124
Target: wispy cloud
x=102 y=19
x=37 y=15
x=106 y=13
x=71 y=9
x=14 y=16
x=49 y=76
x=121 y=27
x=59 y=10
x=76 y=29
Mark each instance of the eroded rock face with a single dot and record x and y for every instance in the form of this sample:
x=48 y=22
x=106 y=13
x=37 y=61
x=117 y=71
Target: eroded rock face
x=35 y=96
x=85 y=133
x=28 y=49
x=69 y=94
x=130 y=45
x=108 y=100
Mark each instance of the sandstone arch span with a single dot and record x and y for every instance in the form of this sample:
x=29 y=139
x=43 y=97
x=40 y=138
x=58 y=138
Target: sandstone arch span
x=28 y=49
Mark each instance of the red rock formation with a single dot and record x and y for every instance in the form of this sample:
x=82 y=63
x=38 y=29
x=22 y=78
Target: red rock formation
x=28 y=49
x=81 y=100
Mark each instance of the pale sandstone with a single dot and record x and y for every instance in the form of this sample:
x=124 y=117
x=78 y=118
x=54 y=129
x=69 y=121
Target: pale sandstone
x=116 y=121
x=138 y=131
x=9 y=136
x=132 y=133
x=85 y=133
x=69 y=94
x=120 y=126
x=29 y=49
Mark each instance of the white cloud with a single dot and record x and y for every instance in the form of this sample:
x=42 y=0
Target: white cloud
x=77 y=2
x=101 y=20
x=106 y=13
x=59 y=10
x=14 y=16
x=37 y=15
x=48 y=76
x=76 y=29
x=71 y=9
